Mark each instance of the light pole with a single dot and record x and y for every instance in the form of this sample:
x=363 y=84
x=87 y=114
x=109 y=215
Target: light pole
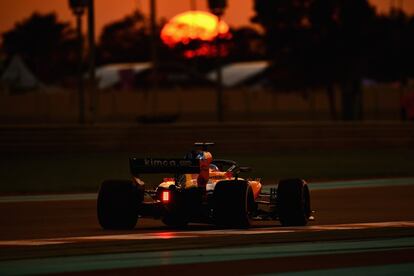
x=154 y=54
x=193 y=5
x=78 y=9
x=94 y=96
x=217 y=8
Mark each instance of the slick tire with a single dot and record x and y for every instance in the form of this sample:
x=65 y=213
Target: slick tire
x=118 y=204
x=233 y=202
x=293 y=202
x=186 y=204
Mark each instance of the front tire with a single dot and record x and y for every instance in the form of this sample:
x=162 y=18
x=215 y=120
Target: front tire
x=293 y=202
x=118 y=204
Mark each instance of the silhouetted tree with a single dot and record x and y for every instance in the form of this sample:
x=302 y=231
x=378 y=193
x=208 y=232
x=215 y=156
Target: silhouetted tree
x=356 y=20
x=126 y=40
x=283 y=21
x=393 y=54
x=323 y=58
x=287 y=34
x=320 y=42
x=246 y=43
x=342 y=37
x=47 y=45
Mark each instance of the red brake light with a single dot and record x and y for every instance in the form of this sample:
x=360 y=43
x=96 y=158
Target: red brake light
x=165 y=196
x=228 y=175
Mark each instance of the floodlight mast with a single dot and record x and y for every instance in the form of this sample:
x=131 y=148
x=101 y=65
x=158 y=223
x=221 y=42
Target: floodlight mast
x=94 y=93
x=217 y=7
x=78 y=8
x=154 y=54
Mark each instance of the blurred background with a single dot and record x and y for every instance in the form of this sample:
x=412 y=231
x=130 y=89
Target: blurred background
x=280 y=60
x=318 y=88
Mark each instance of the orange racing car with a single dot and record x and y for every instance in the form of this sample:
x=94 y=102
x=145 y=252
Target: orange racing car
x=201 y=190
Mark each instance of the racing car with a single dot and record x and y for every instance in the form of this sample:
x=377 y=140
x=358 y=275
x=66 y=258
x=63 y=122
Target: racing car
x=200 y=190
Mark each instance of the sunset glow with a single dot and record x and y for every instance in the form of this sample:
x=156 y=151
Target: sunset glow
x=237 y=14
x=192 y=25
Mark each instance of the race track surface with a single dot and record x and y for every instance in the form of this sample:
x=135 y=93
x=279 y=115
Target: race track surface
x=364 y=227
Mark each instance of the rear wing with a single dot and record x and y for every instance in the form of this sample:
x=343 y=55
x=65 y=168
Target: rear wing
x=163 y=165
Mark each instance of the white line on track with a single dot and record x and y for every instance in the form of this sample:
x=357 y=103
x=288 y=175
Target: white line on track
x=47 y=198
x=106 y=261
x=125 y=237
x=313 y=186
x=206 y=233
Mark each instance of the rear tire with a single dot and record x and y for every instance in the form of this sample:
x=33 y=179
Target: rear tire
x=118 y=204
x=185 y=205
x=293 y=202
x=233 y=203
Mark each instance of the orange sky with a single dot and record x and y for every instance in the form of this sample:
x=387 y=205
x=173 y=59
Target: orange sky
x=237 y=13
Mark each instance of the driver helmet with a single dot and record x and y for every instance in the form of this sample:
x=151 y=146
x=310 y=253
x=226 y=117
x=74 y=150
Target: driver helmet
x=213 y=168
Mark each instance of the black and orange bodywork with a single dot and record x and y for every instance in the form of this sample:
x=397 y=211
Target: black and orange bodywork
x=190 y=190
x=200 y=189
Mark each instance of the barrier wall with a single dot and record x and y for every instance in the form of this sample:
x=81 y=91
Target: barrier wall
x=192 y=105
x=229 y=137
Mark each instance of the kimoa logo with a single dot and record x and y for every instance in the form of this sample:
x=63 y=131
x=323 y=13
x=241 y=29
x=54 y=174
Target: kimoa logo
x=160 y=163
x=185 y=163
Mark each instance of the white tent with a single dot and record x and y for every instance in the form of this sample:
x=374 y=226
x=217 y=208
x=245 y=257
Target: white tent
x=236 y=73
x=18 y=76
x=108 y=75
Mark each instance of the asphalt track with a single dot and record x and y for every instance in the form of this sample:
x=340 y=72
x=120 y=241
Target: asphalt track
x=361 y=227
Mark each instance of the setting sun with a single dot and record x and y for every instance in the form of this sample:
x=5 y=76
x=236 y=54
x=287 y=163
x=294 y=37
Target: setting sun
x=192 y=25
